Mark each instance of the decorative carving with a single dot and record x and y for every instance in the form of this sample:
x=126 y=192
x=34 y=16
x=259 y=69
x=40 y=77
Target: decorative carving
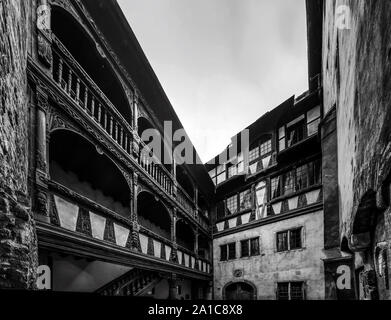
x=151 y=249
x=54 y=218
x=83 y=224
x=42 y=203
x=109 y=234
x=45 y=53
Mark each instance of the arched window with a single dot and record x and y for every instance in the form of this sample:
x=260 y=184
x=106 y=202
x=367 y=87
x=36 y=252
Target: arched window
x=85 y=51
x=153 y=215
x=77 y=164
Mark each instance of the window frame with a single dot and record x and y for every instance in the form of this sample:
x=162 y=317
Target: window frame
x=283 y=136
x=289 y=240
x=226 y=249
x=289 y=287
x=313 y=174
x=248 y=244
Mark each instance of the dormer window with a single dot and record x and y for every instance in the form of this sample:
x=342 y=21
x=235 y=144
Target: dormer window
x=299 y=129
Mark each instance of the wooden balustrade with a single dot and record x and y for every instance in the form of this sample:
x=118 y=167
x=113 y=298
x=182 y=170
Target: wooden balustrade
x=78 y=85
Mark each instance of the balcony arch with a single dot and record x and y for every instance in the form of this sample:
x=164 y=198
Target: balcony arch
x=81 y=167
x=242 y=290
x=153 y=215
x=185 y=235
x=90 y=57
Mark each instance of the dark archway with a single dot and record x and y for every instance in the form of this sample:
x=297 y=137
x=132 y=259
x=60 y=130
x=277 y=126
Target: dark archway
x=184 y=180
x=83 y=48
x=185 y=235
x=76 y=164
x=239 y=291
x=153 y=215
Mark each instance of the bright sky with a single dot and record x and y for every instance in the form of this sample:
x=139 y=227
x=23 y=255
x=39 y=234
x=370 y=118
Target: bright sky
x=222 y=63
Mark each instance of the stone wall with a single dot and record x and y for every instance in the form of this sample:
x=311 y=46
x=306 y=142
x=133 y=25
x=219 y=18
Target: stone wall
x=357 y=80
x=18 y=253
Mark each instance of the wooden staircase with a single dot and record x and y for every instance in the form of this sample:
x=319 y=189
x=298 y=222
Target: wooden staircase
x=133 y=283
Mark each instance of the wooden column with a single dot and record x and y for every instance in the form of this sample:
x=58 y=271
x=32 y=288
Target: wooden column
x=174 y=250
x=173 y=287
x=41 y=157
x=135 y=240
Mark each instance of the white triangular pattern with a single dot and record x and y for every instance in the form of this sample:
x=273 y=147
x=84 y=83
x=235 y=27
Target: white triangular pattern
x=180 y=257
x=121 y=235
x=157 y=247
x=312 y=196
x=277 y=207
x=232 y=223
x=293 y=203
x=192 y=262
x=220 y=226
x=144 y=243
x=67 y=212
x=253 y=168
x=245 y=218
x=168 y=253
x=98 y=224
x=265 y=162
x=187 y=260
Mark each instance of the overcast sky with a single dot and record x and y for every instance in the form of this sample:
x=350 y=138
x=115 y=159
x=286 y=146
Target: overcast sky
x=222 y=63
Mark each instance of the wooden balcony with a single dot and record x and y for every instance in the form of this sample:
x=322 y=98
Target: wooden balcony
x=74 y=82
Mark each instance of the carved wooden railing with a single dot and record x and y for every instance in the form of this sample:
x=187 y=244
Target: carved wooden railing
x=185 y=200
x=155 y=169
x=79 y=86
x=129 y=284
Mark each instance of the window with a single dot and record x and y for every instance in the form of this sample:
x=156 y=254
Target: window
x=245 y=200
x=223 y=253
x=266 y=148
x=299 y=129
x=232 y=205
x=289 y=240
x=313 y=121
x=295 y=239
x=253 y=155
x=282 y=241
x=232 y=171
x=261 y=199
x=220 y=174
x=235 y=204
x=244 y=249
x=261 y=150
x=232 y=251
x=254 y=247
x=250 y=248
x=296 y=180
x=290 y=291
x=296 y=131
x=228 y=252
x=276 y=187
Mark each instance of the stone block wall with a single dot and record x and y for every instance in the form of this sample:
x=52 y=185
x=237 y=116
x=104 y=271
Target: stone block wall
x=18 y=245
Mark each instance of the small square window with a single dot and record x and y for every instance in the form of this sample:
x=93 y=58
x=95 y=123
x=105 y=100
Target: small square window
x=295 y=239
